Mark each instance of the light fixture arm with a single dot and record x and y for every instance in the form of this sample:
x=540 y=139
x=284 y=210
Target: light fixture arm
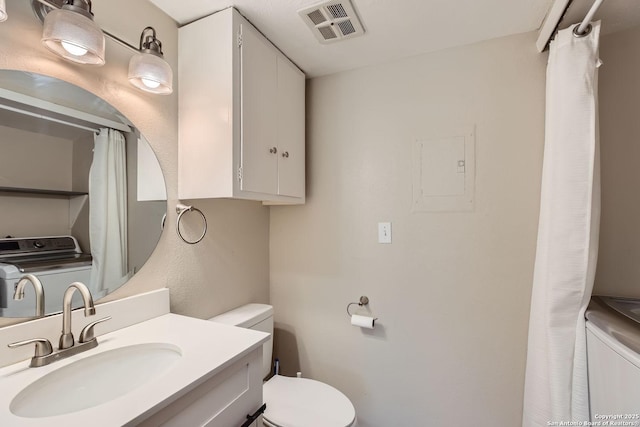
x=80 y=6
x=149 y=43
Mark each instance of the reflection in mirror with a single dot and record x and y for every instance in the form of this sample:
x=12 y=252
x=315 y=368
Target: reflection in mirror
x=81 y=191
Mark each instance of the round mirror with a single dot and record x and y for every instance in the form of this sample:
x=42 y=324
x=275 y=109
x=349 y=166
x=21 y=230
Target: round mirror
x=82 y=194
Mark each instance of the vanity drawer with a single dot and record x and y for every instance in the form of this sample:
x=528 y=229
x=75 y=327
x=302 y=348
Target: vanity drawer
x=222 y=401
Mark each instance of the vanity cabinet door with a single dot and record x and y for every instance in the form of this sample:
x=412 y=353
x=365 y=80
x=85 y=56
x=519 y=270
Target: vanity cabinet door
x=224 y=400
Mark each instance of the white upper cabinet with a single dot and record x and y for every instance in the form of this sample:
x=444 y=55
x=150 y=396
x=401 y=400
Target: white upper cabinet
x=241 y=112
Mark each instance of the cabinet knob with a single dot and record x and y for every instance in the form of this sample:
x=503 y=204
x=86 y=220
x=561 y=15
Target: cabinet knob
x=285 y=154
x=273 y=150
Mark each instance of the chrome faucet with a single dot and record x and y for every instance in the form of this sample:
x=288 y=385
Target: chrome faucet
x=37 y=287
x=44 y=352
x=66 y=339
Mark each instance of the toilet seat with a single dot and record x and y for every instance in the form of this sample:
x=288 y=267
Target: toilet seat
x=302 y=402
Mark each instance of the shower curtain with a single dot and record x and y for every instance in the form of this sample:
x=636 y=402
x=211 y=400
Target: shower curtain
x=556 y=388
x=108 y=211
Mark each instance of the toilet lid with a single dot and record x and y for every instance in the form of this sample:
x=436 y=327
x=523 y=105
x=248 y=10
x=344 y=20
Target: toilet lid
x=293 y=402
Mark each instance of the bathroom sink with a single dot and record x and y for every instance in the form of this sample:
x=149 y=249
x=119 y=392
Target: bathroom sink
x=94 y=380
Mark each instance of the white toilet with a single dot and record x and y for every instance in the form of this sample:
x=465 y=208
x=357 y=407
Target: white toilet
x=291 y=402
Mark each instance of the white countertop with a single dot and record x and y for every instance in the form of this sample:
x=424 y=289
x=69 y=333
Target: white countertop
x=207 y=348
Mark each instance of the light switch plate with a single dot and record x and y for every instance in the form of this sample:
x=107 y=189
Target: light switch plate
x=384 y=232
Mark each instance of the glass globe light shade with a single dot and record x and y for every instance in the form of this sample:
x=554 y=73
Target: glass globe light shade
x=151 y=73
x=73 y=36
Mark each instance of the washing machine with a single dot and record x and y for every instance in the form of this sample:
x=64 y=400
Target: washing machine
x=613 y=358
x=57 y=261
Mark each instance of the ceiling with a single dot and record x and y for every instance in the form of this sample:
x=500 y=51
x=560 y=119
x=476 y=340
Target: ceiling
x=393 y=28
x=616 y=15
x=396 y=28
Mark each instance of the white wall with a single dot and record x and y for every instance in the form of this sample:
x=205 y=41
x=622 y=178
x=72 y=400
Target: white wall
x=618 y=270
x=452 y=291
x=230 y=267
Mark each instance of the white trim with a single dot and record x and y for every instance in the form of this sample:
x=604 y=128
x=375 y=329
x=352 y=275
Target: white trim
x=556 y=11
x=72 y=116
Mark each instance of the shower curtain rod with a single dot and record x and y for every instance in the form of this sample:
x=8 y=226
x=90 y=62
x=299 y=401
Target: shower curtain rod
x=587 y=19
x=554 y=17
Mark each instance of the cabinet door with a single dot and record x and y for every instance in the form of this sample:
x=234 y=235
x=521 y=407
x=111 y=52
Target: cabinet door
x=291 y=137
x=258 y=87
x=221 y=401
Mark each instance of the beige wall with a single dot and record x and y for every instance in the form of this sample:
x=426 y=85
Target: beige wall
x=452 y=291
x=20 y=168
x=22 y=216
x=230 y=267
x=618 y=271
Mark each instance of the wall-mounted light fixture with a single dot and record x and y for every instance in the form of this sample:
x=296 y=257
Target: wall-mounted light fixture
x=3 y=11
x=72 y=33
x=69 y=31
x=147 y=69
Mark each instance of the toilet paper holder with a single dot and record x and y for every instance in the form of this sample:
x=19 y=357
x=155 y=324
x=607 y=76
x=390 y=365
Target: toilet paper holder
x=363 y=301
x=361 y=321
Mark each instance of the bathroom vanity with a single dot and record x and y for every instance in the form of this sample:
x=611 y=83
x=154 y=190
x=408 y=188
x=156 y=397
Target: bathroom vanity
x=164 y=370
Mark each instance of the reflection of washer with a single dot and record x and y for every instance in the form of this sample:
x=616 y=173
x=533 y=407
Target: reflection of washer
x=56 y=261
x=613 y=357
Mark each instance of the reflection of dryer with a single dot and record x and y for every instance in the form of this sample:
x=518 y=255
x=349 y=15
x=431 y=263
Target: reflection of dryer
x=613 y=357
x=56 y=261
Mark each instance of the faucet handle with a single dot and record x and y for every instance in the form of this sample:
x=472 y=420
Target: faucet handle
x=87 y=332
x=43 y=346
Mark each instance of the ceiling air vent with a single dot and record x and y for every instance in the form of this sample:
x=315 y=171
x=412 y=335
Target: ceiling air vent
x=332 y=21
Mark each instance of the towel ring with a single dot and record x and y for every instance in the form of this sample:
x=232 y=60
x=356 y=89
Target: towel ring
x=181 y=209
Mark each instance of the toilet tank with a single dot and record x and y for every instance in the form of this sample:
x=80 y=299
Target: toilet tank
x=258 y=317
